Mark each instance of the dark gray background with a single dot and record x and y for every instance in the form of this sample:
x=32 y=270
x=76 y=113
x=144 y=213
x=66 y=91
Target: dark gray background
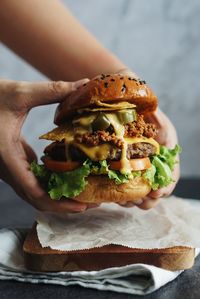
x=158 y=39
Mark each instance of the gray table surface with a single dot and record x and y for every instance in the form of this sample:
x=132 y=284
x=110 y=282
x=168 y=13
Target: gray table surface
x=16 y=213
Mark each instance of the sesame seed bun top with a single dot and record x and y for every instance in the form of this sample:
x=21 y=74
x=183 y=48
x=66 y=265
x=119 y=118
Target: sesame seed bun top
x=110 y=89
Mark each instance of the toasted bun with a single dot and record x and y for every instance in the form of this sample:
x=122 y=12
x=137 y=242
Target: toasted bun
x=101 y=189
x=109 y=89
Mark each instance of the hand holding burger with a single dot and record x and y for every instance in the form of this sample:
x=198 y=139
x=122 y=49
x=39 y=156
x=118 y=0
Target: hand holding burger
x=166 y=136
x=104 y=149
x=16 y=100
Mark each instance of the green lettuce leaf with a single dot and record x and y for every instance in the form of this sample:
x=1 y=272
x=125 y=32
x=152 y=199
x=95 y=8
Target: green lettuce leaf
x=160 y=173
x=149 y=175
x=118 y=177
x=102 y=167
x=40 y=171
x=71 y=183
x=98 y=168
x=68 y=184
x=169 y=155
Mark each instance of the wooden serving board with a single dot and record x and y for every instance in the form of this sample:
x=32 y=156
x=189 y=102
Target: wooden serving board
x=47 y=259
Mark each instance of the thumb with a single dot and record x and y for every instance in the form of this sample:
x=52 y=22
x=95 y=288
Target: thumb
x=44 y=93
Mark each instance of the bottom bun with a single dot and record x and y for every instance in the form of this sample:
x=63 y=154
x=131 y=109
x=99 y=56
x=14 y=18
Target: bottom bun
x=101 y=189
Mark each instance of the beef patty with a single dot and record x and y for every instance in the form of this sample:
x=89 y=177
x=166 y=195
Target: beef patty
x=56 y=151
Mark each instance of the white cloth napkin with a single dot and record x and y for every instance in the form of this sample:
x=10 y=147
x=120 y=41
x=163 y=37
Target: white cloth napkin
x=137 y=279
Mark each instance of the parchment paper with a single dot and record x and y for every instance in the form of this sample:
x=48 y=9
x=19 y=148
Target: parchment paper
x=173 y=222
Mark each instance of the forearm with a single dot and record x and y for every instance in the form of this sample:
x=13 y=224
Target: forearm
x=46 y=35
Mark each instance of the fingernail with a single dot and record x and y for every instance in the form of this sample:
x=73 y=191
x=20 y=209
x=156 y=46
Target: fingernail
x=138 y=202
x=80 y=83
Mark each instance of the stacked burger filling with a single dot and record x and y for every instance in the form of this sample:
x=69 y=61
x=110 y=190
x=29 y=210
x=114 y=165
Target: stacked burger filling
x=108 y=138
x=115 y=133
x=138 y=128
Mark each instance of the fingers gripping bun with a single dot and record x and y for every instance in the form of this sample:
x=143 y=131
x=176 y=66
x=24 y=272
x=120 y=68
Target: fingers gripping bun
x=109 y=89
x=101 y=189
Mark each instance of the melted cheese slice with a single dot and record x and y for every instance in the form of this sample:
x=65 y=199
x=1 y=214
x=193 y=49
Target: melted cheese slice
x=85 y=121
x=95 y=153
x=119 y=131
x=102 y=151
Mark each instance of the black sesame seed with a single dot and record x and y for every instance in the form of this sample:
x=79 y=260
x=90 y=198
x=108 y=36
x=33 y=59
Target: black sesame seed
x=84 y=84
x=121 y=78
x=102 y=76
x=134 y=79
x=123 y=88
x=106 y=84
x=107 y=75
x=113 y=80
x=144 y=82
x=129 y=78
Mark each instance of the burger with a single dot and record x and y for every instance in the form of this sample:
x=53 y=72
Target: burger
x=102 y=149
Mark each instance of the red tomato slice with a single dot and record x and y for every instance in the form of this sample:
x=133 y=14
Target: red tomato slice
x=60 y=166
x=136 y=164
